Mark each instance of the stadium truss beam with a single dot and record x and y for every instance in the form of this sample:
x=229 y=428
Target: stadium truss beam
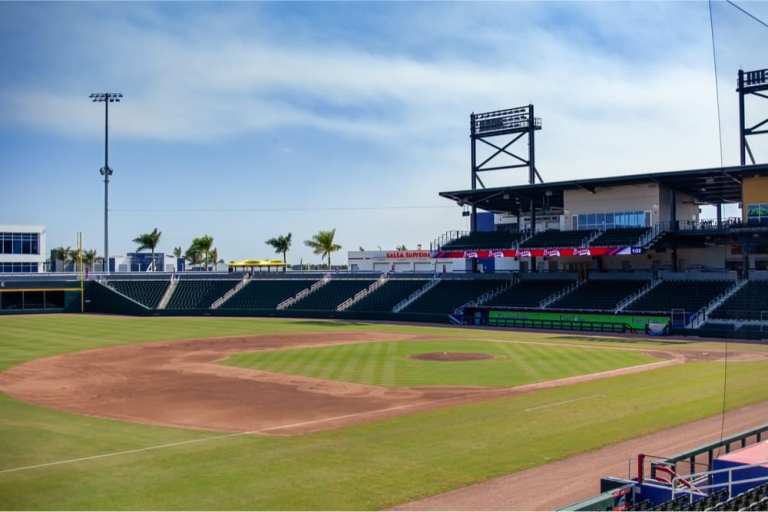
x=513 y=124
x=750 y=83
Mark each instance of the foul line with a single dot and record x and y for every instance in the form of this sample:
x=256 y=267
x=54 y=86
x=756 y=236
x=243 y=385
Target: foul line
x=125 y=452
x=555 y=404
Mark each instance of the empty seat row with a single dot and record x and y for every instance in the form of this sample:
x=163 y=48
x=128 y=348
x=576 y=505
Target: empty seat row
x=266 y=293
x=556 y=238
x=333 y=293
x=528 y=293
x=749 y=303
x=603 y=294
x=619 y=237
x=198 y=294
x=386 y=297
x=484 y=240
x=450 y=294
x=689 y=296
x=148 y=293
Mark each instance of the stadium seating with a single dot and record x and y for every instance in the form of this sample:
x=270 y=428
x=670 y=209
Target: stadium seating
x=528 y=293
x=555 y=238
x=690 y=296
x=266 y=293
x=484 y=240
x=749 y=303
x=198 y=293
x=450 y=294
x=599 y=294
x=332 y=294
x=619 y=237
x=388 y=295
x=148 y=293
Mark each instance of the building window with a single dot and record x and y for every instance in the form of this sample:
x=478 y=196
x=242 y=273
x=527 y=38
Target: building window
x=19 y=243
x=14 y=267
x=612 y=220
x=757 y=213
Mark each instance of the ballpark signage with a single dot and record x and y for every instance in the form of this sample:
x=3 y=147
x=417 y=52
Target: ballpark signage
x=408 y=255
x=552 y=252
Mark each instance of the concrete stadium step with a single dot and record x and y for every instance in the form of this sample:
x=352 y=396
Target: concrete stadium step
x=231 y=292
x=304 y=293
x=415 y=295
x=168 y=293
x=363 y=294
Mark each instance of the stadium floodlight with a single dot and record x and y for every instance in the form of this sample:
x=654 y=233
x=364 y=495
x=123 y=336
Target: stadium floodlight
x=106 y=98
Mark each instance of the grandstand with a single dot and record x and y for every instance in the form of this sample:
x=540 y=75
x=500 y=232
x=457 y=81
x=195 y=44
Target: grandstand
x=198 y=293
x=329 y=296
x=448 y=295
x=686 y=295
x=266 y=293
x=600 y=294
x=147 y=293
x=557 y=238
x=529 y=293
x=749 y=303
x=386 y=297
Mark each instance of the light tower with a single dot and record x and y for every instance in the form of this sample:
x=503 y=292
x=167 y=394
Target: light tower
x=106 y=98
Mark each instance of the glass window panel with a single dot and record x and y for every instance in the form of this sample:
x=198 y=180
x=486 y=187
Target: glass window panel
x=16 y=246
x=599 y=220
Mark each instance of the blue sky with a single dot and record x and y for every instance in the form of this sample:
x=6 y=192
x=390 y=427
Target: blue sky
x=248 y=120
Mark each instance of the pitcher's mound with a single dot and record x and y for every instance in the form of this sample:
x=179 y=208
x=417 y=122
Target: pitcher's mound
x=452 y=356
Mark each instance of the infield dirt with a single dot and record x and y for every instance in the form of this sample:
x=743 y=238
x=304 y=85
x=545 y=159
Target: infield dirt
x=183 y=384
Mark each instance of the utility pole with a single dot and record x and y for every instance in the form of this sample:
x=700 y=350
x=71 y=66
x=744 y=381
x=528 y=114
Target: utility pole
x=106 y=98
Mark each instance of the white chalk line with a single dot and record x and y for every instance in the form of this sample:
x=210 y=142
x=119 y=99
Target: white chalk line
x=563 y=402
x=230 y=435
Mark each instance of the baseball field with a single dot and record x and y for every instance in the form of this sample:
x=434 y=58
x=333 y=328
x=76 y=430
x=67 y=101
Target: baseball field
x=101 y=412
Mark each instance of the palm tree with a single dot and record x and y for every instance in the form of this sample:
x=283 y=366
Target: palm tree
x=89 y=258
x=401 y=248
x=61 y=254
x=215 y=258
x=281 y=244
x=148 y=241
x=193 y=255
x=178 y=251
x=204 y=244
x=322 y=243
x=73 y=257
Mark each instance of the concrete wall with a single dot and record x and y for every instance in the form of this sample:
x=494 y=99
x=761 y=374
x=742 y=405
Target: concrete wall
x=686 y=209
x=612 y=199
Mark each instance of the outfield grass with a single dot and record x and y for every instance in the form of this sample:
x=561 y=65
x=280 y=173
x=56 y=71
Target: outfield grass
x=369 y=466
x=390 y=363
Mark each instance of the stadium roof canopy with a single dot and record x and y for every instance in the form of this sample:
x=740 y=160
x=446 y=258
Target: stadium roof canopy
x=706 y=186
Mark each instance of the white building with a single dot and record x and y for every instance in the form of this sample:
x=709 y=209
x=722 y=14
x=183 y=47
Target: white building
x=22 y=248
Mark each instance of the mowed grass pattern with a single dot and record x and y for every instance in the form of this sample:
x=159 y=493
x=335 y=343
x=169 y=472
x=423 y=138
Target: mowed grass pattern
x=391 y=363
x=370 y=466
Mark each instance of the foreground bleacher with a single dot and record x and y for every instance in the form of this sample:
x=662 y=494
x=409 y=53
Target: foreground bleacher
x=727 y=474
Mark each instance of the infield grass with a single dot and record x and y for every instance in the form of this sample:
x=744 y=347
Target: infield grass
x=368 y=466
x=392 y=364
